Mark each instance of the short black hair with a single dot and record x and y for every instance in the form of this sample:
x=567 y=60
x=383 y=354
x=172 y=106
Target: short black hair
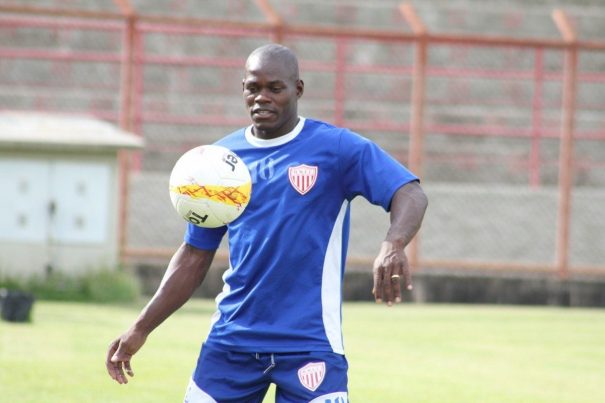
x=274 y=51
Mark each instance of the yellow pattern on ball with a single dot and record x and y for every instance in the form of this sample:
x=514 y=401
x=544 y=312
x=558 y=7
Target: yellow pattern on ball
x=231 y=195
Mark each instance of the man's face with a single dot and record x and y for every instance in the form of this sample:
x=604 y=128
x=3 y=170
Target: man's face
x=271 y=93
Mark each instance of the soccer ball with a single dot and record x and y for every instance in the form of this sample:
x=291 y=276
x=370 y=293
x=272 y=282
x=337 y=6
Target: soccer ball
x=210 y=186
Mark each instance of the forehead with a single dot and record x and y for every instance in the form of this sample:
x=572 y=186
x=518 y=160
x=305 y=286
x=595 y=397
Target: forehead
x=267 y=69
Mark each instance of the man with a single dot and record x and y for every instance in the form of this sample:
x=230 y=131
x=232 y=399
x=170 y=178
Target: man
x=279 y=315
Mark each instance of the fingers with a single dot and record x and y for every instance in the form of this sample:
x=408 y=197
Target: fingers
x=128 y=369
x=378 y=284
x=117 y=361
x=388 y=280
x=396 y=287
x=407 y=275
x=110 y=366
x=386 y=285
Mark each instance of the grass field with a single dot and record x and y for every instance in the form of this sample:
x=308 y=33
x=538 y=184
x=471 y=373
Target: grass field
x=409 y=353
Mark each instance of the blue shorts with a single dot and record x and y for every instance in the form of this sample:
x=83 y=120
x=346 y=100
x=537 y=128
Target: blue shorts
x=223 y=376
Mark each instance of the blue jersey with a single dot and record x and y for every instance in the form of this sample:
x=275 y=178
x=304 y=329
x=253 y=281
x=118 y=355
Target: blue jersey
x=287 y=250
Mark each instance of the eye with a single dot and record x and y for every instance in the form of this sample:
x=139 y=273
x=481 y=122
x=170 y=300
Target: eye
x=251 y=88
x=276 y=89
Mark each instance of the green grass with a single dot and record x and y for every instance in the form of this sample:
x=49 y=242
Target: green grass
x=409 y=353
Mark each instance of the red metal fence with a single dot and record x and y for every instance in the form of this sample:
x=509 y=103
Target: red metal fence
x=465 y=110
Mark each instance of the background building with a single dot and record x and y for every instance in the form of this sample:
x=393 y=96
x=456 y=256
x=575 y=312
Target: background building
x=498 y=107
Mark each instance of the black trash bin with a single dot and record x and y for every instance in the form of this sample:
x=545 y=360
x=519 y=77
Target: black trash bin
x=16 y=305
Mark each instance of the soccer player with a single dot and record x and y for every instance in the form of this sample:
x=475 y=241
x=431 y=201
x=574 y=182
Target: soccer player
x=278 y=318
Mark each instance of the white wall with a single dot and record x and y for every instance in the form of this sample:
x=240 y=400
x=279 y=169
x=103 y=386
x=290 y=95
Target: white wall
x=58 y=210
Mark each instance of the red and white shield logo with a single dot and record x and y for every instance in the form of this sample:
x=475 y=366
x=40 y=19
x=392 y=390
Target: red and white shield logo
x=302 y=177
x=312 y=375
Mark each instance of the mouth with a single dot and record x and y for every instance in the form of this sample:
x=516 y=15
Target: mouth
x=262 y=113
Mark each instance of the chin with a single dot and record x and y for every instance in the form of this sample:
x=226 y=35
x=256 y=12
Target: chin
x=263 y=126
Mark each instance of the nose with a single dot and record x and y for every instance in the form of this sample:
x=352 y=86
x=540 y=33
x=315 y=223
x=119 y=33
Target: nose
x=262 y=97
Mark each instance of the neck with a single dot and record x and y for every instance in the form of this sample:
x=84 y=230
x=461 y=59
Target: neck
x=278 y=132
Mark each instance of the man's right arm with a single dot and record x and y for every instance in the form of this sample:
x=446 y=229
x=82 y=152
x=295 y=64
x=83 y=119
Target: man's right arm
x=186 y=271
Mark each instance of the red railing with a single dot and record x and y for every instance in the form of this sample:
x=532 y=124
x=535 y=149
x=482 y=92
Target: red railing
x=133 y=110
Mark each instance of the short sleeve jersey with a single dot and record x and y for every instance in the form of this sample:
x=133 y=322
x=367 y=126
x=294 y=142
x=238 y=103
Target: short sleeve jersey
x=287 y=250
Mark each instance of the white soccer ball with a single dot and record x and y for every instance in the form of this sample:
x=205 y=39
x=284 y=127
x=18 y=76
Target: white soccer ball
x=210 y=186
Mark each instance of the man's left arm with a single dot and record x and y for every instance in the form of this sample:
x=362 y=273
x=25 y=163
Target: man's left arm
x=407 y=211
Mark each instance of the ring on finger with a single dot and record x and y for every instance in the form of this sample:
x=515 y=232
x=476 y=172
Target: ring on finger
x=395 y=277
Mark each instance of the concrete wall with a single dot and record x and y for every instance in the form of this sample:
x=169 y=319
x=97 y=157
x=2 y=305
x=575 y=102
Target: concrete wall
x=472 y=223
x=493 y=224
x=193 y=92
x=498 y=219
x=442 y=287
x=463 y=222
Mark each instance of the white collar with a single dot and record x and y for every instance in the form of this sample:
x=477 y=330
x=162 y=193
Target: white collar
x=255 y=141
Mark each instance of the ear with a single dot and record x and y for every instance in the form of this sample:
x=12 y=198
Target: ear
x=300 y=88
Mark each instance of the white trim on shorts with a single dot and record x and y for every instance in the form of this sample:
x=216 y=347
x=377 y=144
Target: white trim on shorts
x=336 y=397
x=195 y=395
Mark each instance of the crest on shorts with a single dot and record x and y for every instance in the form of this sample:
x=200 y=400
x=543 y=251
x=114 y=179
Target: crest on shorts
x=312 y=375
x=302 y=177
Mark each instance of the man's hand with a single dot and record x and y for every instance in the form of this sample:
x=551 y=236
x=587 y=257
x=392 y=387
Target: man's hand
x=390 y=267
x=184 y=274
x=120 y=353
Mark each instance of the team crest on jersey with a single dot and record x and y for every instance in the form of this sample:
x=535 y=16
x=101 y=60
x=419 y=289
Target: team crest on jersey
x=302 y=177
x=312 y=375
